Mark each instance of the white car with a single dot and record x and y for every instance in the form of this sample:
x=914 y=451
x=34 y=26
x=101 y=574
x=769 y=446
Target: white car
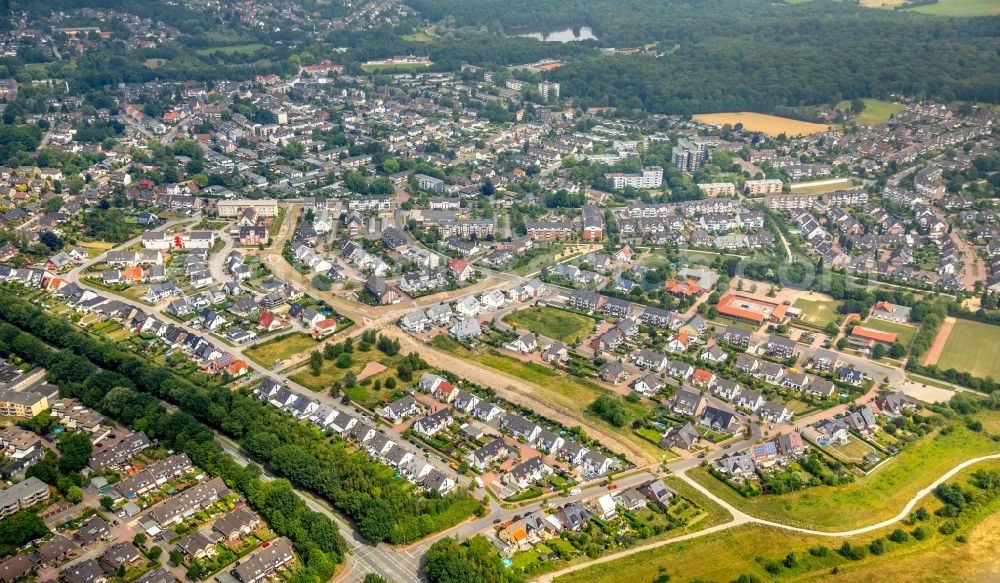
x=575 y=492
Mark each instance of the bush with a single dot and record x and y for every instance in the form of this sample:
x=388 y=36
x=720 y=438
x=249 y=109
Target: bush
x=921 y=533
x=878 y=546
x=899 y=536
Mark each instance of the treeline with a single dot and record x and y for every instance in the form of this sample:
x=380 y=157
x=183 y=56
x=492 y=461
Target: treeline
x=316 y=538
x=473 y=561
x=384 y=506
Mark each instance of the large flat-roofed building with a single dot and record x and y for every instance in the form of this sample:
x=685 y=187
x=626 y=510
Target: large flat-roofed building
x=651 y=177
x=751 y=310
x=790 y=201
x=718 y=188
x=22 y=495
x=265 y=207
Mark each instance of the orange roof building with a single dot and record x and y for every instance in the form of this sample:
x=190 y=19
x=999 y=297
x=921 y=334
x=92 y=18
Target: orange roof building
x=702 y=377
x=863 y=335
x=751 y=309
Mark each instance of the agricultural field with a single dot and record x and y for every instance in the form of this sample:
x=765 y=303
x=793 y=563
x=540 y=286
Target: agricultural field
x=971 y=348
x=267 y=353
x=817 y=311
x=244 y=49
x=759 y=122
x=876 y=112
x=551 y=322
x=556 y=388
x=822 y=186
x=904 y=332
x=868 y=499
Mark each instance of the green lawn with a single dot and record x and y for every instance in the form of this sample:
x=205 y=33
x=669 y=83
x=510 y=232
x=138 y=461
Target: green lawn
x=972 y=348
x=552 y=322
x=853 y=451
x=394 y=68
x=330 y=373
x=266 y=353
x=818 y=311
x=232 y=49
x=904 y=332
x=561 y=390
x=868 y=499
x=875 y=112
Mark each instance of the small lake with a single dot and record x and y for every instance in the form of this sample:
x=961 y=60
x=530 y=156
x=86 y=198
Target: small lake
x=559 y=36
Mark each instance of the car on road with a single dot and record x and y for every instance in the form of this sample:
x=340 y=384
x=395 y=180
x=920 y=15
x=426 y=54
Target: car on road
x=498 y=521
x=612 y=486
x=701 y=455
x=727 y=446
x=575 y=492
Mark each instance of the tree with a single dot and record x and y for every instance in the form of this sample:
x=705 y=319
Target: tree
x=74 y=494
x=76 y=448
x=107 y=502
x=139 y=539
x=21 y=527
x=878 y=351
x=176 y=557
x=154 y=552
x=343 y=361
x=377 y=521
x=315 y=362
x=375 y=578
x=51 y=240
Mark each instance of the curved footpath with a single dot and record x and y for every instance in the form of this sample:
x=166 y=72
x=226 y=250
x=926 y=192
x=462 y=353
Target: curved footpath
x=740 y=518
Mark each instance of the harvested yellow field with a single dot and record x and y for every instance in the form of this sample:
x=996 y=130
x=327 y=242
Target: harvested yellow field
x=771 y=125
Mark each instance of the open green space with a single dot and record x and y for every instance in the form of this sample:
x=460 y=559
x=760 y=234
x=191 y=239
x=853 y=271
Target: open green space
x=868 y=499
x=904 y=332
x=551 y=322
x=364 y=394
x=534 y=264
x=245 y=49
x=853 y=451
x=762 y=552
x=875 y=112
x=972 y=348
x=267 y=353
x=559 y=389
x=819 y=312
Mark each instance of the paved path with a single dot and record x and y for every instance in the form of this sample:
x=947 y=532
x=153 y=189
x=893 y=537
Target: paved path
x=741 y=518
x=940 y=340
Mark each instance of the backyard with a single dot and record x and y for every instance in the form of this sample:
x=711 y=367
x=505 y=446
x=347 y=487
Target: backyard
x=853 y=451
x=551 y=322
x=557 y=388
x=971 y=348
x=868 y=499
x=267 y=353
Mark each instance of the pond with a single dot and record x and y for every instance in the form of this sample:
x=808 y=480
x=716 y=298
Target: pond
x=562 y=36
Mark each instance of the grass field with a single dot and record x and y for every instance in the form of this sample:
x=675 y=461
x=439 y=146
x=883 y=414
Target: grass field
x=876 y=112
x=154 y=63
x=868 y=499
x=266 y=353
x=852 y=451
x=539 y=261
x=552 y=322
x=232 y=49
x=749 y=549
x=830 y=186
x=904 y=332
x=330 y=374
x=961 y=8
x=818 y=311
x=972 y=348
x=562 y=390
x=759 y=122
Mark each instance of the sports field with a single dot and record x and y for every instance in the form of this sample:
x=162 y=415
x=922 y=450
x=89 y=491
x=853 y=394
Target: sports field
x=818 y=311
x=771 y=125
x=972 y=348
x=550 y=322
x=232 y=49
x=876 y=112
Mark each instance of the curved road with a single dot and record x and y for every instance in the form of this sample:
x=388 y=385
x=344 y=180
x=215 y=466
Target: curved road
x=741 y=518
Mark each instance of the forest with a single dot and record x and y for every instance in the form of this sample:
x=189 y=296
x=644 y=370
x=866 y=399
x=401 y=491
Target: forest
x=731 y=55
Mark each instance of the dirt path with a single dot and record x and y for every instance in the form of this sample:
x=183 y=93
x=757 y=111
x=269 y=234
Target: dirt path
x=934 y=353
x=515 y=390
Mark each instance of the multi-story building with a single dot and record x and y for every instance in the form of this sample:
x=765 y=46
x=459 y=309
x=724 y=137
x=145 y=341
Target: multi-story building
x=651 y=177
x=790 y=201
x=425 y=182
x=21 y=403
x=548 y=90
x=22 y=495
x=265 y=207
x=689 y=155
x=549 y=231
x=766 y=186
x=718 y=188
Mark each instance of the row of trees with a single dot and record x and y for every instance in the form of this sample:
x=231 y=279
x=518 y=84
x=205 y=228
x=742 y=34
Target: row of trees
x=385 y=506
